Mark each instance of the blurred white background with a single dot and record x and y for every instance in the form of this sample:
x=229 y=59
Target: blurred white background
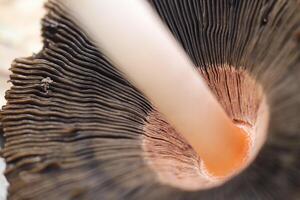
x=19 y=37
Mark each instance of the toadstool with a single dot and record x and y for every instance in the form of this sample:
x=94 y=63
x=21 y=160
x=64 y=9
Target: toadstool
x=75 y=128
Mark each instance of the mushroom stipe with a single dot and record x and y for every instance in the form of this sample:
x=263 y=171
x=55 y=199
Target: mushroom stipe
x=74 y=128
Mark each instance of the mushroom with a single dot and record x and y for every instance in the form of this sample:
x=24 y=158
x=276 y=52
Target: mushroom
x=75 y=128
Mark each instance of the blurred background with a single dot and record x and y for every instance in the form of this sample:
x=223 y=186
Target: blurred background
x=19 y=37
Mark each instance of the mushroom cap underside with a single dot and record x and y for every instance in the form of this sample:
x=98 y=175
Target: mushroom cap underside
x=74 y=126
